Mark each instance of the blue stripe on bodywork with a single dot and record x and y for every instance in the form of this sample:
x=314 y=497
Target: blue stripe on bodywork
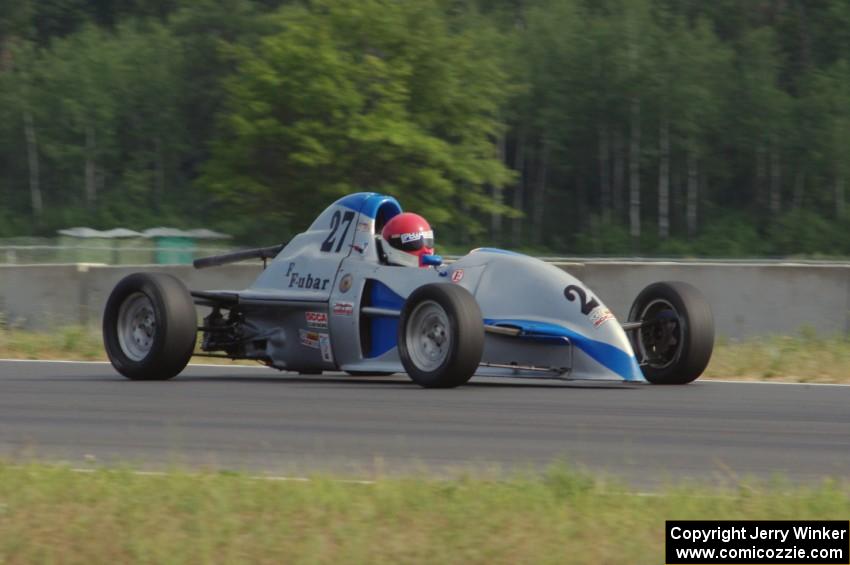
x=354 y=201
x=368 y=204
x=610 y=357
x=383 y=329
x=497 y=250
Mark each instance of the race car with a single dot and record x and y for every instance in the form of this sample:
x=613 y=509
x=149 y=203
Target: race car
x=330 y=300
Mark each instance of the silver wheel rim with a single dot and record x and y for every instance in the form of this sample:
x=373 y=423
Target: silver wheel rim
x=136 y=326
x=649 y=312
x=427 y=336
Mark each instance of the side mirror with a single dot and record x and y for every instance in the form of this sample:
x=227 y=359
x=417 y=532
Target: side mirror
x=432 y=260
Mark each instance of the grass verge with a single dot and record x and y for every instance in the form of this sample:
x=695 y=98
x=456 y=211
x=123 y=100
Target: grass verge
x=73 y=343
x=806 y=357
x=52 y=514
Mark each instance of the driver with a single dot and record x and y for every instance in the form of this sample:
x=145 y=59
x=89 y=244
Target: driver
x=408 y=237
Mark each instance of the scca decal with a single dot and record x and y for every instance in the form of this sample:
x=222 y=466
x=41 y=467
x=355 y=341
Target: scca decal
x=316 y=320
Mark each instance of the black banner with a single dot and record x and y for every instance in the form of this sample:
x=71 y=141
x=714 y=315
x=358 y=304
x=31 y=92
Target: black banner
x=697 y=542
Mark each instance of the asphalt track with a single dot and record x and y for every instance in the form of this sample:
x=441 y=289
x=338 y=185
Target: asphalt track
x=259 y=420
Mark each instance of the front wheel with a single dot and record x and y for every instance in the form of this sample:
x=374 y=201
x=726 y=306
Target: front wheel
x=149 y=326
x=676 y=336
x=440 y=336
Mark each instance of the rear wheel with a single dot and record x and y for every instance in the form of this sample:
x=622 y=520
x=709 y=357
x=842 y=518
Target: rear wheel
x=441 y=336
x=675 y=341
x=149 y=326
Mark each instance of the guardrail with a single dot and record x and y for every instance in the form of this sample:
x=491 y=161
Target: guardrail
x=748 y=298
x=112 y=254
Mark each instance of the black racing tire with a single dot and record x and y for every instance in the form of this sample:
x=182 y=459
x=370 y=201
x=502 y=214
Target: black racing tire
x=674 y=347
x=156 y=342
x=449 y=354
x=370 y=373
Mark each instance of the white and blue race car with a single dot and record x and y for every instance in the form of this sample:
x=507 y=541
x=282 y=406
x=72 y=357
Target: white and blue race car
x=328 y=301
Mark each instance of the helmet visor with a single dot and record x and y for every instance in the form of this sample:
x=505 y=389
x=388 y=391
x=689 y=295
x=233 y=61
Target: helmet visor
x=413 y=241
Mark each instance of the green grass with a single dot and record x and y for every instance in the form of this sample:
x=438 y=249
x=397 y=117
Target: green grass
x=806 y=357
x=803 y=358
x=72 y=342
x=51 y=514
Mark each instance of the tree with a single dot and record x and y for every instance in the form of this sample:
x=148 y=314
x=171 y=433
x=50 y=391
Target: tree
x=761 y=114
x=689 y=67
x=352 y=95
x=827 y=100
x=636 y=26
x=76 y=82
x=592 y=119
x=206 y=31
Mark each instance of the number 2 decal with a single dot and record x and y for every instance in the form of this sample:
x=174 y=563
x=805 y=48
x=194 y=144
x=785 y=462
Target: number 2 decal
x=586 y=306
x=336 y=220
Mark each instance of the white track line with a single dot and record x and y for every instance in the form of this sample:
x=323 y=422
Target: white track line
x=769 y=383
x=222 y=365
x=58 y=361
x=297 y=479
x=252 y=477
x=53 y=361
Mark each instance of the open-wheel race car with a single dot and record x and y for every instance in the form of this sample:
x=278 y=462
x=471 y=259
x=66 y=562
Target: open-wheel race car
x=330 y=301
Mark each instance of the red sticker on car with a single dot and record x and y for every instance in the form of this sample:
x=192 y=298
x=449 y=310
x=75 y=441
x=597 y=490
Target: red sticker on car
x=343 y=308
x=316 y=320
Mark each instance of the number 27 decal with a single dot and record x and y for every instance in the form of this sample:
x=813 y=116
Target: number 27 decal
x=587 y=306
x=336 y=220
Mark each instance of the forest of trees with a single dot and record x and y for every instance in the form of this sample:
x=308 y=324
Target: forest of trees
x=605 y=127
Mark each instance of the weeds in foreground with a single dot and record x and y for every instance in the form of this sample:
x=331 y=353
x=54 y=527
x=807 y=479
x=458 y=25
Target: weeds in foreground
x=52 y=514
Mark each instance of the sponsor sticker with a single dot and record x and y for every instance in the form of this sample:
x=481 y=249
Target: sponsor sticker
x=600 y=315
x=364 y=226
x=325 y=346
x=343 y=308
x=309 y=339
x=316 y=320
x=416 y=236
x=308 y=281
x=408 y=237
x=457 y=276
x=345 y=283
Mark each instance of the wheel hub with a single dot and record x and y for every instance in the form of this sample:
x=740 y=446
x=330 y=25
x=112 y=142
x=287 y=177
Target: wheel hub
x=659 y=340
x=136 y=326
x=427 y=336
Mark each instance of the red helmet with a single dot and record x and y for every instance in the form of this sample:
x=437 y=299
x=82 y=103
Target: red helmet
x=408 y=238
